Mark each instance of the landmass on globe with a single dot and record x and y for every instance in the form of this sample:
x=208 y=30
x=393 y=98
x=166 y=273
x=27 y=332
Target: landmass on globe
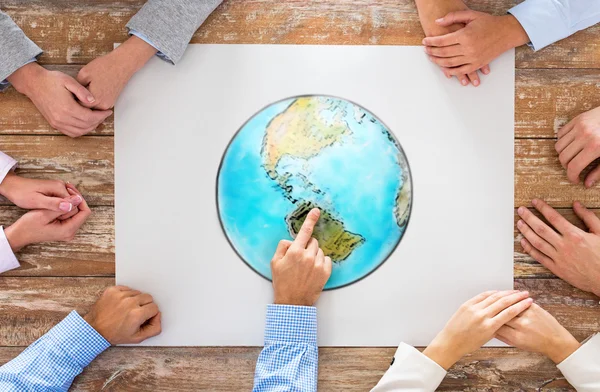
x=302 y=132
x=334 y=239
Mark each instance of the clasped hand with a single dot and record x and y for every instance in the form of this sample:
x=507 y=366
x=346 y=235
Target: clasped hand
x=58 y=210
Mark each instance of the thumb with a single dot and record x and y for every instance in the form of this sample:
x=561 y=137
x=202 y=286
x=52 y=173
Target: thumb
x=592 y=177
x=457 y=17
x=282 y=248
x=49 y=216
x=82 y=93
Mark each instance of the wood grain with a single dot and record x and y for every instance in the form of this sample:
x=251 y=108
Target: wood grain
x=76 y=35
x=347 y=369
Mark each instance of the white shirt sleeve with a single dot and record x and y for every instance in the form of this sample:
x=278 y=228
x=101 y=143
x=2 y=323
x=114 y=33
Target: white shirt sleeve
x=411 y=370
x=548 y=21
x=8 y=260
x=582 y=368
x=6 y=165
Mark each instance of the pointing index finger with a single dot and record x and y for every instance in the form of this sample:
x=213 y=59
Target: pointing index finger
x=305 y=233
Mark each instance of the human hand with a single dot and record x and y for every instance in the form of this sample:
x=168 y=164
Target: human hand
x=475 y=323
x=106 y=76
x=537 y=331
x=52 y=93
x=483 y=38
x=300 y=269
x=122 y=315
x=44 y=225
x=566 y=250
x=429 y=12
x=52 y=195
x=578 y=145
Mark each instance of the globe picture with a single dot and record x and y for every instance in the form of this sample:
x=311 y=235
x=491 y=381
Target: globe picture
x=315 y=151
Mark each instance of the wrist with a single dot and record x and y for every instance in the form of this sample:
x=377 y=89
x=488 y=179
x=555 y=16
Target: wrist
x=8 y=183
x=136 y=53
x=14 y=236
x=516 y=34
x=562 y=348
x=442 y=353
x=25 y=78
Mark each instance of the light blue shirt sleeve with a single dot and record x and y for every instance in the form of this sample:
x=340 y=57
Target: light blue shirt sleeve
x=54 y=360
x=290 y=359
x=147 y=40
x=548 y=21
x=4 y=84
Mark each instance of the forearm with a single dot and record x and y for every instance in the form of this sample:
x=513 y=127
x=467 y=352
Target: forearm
x=54 y=360
x=15 y=48
x=289 y=360
x=430 y=10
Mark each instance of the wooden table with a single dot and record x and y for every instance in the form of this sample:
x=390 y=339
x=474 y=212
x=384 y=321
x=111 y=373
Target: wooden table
x=552 y=87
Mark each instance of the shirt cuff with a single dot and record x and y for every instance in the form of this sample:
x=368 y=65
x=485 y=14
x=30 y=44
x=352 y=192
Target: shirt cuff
x=411 y=370
x=147 y=40
x=7 y=164
x=5 y=83
x=8 y=260
x=542 y=21
x=581 y=367
x=291 y=324
x=78 y=339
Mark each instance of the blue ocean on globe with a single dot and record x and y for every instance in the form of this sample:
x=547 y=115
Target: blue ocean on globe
x=315 y=151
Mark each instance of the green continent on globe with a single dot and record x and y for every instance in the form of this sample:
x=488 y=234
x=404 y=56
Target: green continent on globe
x=336 y=242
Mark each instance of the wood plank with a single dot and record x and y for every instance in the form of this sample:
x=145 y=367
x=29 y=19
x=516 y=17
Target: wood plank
x=86 y=162
x=545 y=100
x=91 y=253
x=539 y=174
x=348 y=369
x=40 y=303
x=76 y=35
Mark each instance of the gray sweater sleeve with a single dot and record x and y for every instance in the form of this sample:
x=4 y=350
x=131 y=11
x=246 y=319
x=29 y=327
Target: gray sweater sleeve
x=15 y=48
x=170 y=24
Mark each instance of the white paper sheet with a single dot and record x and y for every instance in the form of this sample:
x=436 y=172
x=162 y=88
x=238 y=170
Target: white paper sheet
x=173 y=124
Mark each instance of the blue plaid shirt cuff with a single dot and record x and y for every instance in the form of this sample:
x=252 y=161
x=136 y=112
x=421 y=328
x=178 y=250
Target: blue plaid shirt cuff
x=78 y=339
x=291 y=324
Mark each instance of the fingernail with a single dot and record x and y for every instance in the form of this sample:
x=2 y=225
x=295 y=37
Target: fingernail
x=476 y=83
x=534 y=202
x=439 y=20
x=91 y=99
x=464 y=82
x=76 y=199
x=525 y=292
x=520 y=224
x=521 y=210
x=64 y=206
